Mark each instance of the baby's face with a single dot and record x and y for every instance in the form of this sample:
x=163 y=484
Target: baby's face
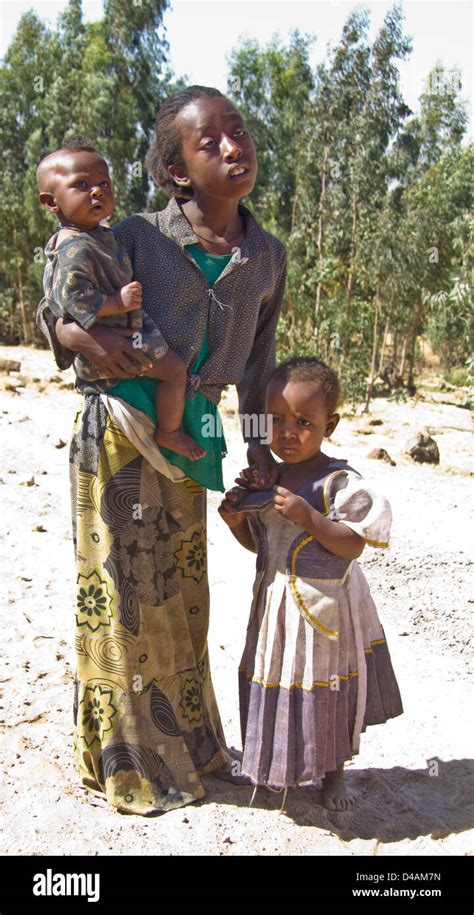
x=300 y=419
x=82 y=189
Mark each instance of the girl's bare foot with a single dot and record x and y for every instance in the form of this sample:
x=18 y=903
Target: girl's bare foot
x=179 y=442
x=335 y=796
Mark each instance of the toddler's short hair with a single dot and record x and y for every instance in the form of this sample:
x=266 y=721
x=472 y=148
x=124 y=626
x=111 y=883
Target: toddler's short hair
x=69 y=145
x=79 y=144
x=308 y=368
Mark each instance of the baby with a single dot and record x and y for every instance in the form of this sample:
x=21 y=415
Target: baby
x=89 y=279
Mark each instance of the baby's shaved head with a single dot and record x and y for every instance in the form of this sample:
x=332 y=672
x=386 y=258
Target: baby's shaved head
x=59 y=161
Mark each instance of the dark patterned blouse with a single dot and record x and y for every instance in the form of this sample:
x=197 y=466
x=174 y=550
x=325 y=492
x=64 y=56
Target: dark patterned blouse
x=240 y=310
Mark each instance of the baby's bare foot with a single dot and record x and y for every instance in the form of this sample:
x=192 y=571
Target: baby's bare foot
x=179 y=442
x=335 y=795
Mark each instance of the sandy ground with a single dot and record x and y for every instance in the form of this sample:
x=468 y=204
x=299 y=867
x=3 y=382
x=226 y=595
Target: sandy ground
x=413 y=775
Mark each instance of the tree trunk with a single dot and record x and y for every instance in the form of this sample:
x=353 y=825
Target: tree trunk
x=370 y=385
x=395 y=346
x=402 y=360
x=25 y=325
x=384 y=343
x=352 y=254
x=292 y=317
x=350 y=278
x=411 y=356
x=319 y=243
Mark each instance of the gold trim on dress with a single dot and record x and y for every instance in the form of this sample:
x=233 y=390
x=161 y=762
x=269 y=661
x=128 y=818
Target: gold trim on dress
x=352 y=673
x=332 y=633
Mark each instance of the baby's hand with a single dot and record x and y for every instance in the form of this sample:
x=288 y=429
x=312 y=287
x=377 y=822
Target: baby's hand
x=293 y=507
x=130 y=296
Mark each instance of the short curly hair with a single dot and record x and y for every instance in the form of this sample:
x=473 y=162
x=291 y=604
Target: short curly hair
x=308 y=368
x=79 y=144
x=166 y=147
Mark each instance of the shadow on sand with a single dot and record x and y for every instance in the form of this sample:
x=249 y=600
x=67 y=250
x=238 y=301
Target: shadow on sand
x=391 y=804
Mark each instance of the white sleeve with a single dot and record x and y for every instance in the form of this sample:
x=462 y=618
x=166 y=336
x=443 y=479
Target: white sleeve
x=362 y=507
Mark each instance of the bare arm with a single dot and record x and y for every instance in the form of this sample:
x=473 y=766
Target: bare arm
x=332 y=535
x=237 y=523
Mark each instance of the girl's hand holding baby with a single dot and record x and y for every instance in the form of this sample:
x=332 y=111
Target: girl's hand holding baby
x=262 y=472
x=293 y=507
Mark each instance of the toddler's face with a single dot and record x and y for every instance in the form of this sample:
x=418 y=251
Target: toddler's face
x=82 y=189
x=300 y=419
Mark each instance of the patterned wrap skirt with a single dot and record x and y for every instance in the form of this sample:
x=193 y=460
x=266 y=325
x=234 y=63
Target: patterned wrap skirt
x=146 y=723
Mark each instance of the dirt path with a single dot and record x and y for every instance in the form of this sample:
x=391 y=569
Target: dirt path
x=413 y=776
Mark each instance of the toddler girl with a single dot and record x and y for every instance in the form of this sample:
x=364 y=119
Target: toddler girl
x=316 y=668
x=87 y=278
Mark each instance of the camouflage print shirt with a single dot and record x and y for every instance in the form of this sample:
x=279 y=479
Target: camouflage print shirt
x=80 y=273
x=240 y=310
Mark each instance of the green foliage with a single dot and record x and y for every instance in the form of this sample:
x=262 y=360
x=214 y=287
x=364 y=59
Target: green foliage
x=373 y=203
x=366 y=197
x=104 y=80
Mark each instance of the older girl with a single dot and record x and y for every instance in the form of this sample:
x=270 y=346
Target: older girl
x=146 y=720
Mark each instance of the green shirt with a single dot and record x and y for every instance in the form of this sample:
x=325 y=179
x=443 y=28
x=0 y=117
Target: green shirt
x=200 y=414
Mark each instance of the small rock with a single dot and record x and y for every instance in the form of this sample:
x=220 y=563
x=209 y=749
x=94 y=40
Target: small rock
x=30 y=482
x=40 y=529
x=375 y=422
x=422 y=448
x=379 y=454
x=11 y=386
x=9 y=365
x=60 y=444
x=228 y=840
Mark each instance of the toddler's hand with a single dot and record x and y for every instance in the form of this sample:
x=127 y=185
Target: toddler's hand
x=293 y=507
x=130 y=296
x=229 y=505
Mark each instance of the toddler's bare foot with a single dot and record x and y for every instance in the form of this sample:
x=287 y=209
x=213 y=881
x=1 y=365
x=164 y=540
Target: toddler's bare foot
x=179 y=442
x=335 y=796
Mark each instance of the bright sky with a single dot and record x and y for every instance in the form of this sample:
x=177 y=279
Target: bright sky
x=202 y=33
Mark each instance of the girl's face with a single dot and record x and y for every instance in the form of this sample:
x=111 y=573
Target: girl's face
x=300 y=419
x=218 y=152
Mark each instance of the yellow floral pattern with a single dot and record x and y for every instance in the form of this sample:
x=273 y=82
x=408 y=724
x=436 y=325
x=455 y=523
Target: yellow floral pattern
x=191 y=556
x=94 y=602
x=97 y=712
